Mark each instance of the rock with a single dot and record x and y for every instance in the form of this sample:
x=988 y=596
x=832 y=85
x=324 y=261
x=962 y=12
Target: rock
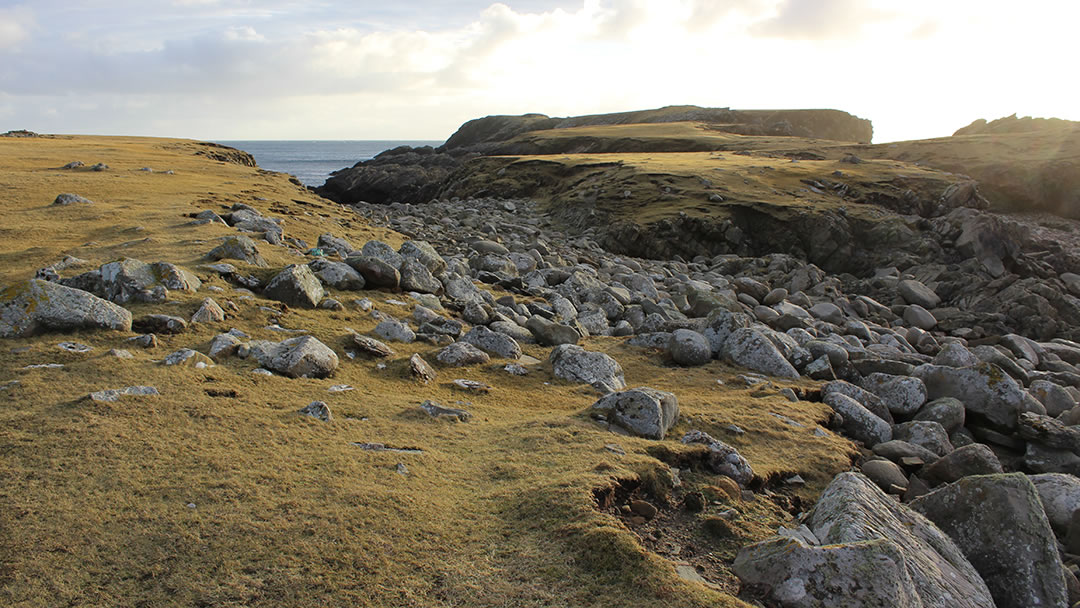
x=223 y=346
x=689 y=348
x=722 y=458
x=209 y=312
x=750 y=348
x=460 y=354
x=955 y=355
x=902 y=395
x=1054 y=398
x=828 y=312
x=1049 y=432
x=317 y=409
x=642 y=411
x=300 y=357
x=916 y=293
x=376 y=272
x=917 y=316
x=382 y=251
x=36 y=306
x=68 y=198
x=999 y=523
x=416 y=277
x=885 y=473
x=395 y=331
x=484 y=246
x=113 y=394
x=188 y=358
x=575 y=364
x=793 y=574
x=877 y=553
x=859 y=422
x=984 y=389
x=946 y=411
x=424 y=253
x=549 y=333
x=974 y=459
x=436 y=410
x=335 y=244
x=296 y=286
x=897 y=450
x=925 y=433
x=493 y=342
x=337 y=275
x=238 y=248
x=865 y=398
x=720 y=325
x=1060 y=496
x=371 y=346
x=420 y=369
x=1041 y=459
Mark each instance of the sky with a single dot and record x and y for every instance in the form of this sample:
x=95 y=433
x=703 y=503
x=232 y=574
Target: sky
x=418 y=69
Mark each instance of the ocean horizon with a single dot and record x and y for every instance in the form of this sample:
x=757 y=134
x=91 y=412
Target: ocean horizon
x=312 y=161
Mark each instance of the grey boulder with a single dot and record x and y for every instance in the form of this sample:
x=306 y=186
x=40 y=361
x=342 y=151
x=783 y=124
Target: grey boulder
x=303 y=356
x=689 y=348
x=722 y=458
x=751 y=349
x=37 y=305
x=573 y=363
x=984 y=389
x=493 y=342
x=643 y=411
x=859 y=422
x=296 y=286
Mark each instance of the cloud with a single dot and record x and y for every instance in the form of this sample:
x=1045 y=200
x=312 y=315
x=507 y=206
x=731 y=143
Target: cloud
x=819 y=19
x=15 y=25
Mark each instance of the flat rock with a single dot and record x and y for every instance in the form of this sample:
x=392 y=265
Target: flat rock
x=36 y=306
x=493 y=342
x=916 y=293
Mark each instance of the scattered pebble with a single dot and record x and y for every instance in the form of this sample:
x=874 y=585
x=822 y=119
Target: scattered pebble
x=339 y=388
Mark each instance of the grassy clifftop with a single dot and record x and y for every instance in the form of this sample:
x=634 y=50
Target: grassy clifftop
x=218 y=493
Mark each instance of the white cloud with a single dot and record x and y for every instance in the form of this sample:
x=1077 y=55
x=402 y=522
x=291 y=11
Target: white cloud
x=15 y=25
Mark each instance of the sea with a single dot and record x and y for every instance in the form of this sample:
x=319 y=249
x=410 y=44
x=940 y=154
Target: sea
x=313 y=161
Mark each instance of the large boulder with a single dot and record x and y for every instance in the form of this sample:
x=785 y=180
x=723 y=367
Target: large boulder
x=376 y=272
x=689 y=348
x=338 y=275
x=876 y=552
x=240 y=248
x=303 y=356
x=643 y=411
x=1060 y=495
x=38 y=305
x=859 y=422
x=424 y=253
x=865 y=398
x=296 y=286
x=550 y=333
x=124 y=280
x=573 y=363
x=999 y=523
x=416 y=277
x=493 y=342
x=751 y=349
x=984 y=389
x=903 y=395
x=974 y=459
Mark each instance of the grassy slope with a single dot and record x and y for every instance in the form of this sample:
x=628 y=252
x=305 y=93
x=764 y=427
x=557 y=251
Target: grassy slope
x=497 y=512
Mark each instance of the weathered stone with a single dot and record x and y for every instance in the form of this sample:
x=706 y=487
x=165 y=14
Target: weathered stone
x=1049 y=432
x=859 y=422
x=689 y=348
x=395 y=331
x=974 y=459
x=238 y=248
x=460 y=354
x=296 y=286
x=492 y=342
x=885 y=473
x=915 y=292
x=750 y=348
x=188 y=358
x=424 y=253
x=337 y=275
x=865 y=398
x=209 y=312
x=925 y=433
x=416 y=277
x=318 y=410
x=984 y=389
x=955 y=355
x=303 y=356
x=382 y=251
x=643 y=411
x=420 y=369
x=37 y=306
x=114 y=394
x=575 y=364
x=999 y=523
x=160 y=324
x=550 y=333
x=376 y=272
x=720 y=325
x=68 y=198
x=897 y=450
x=917 y=316
x=902 y=395
x=723 y=458
x=371 y=346
x=946 y=411
x=1054 y=398
x=436 y=410
x=223 y=346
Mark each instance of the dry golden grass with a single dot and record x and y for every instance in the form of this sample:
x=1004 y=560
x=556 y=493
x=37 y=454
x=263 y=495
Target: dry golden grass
x=286 y=511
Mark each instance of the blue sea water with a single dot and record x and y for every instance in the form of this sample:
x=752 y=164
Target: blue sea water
x=313 y=161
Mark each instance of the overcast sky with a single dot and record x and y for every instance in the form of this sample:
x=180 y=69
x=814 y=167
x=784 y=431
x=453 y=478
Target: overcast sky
x=417 y=69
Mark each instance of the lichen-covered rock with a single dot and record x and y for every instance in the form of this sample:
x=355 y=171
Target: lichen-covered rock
x=188 y=358
x=395 y=331
x=751 y=349
x=460 y=354
x=984 y=389
x=371 y=346
x=209 y=312
x=237 y=247
x=722 y=458
x=974 y=459
x=38 y=305
x=925 y=433
x=296 y=286
x=999 y=523
x=493 y=342
x=128 y=279
x=160 y=324
x=223 y=346
x=689 y=348
x=550 y=333
x=946 y=411
x=318 y=410
x=859 y=422
x=382 y=251
x=424 y=253
x=643 y=411
x=376 y=272
x=337 y=275
x=852 y=510
x=303 y=356
x=719 y=326
x=1060 y=496
x=869 y=574
x=903 y=395
x=573 y=363
x=865 y=398
x=416 y=277
x=68 y=198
